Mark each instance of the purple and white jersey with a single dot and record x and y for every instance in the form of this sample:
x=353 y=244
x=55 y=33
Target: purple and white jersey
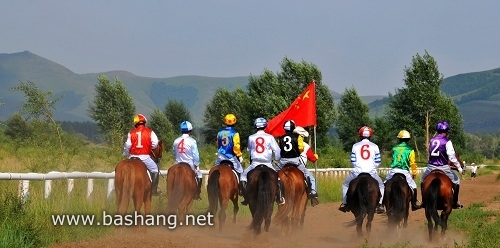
x=261 y=146
x=441 y=150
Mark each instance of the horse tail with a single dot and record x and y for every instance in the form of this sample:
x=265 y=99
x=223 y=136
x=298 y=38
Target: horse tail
x=264 y=199
x=397 y=210
x=213 y=192
x=362 y=196
x=176 y=192
x=128 y=175
x=431 y=200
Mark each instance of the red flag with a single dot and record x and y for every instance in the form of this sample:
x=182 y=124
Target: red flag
x=302 y=111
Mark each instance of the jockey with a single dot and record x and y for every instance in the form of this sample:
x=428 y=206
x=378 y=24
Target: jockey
x=440 y=151
x=185 y=149
x=228 y=144
x=365 y=157
x=291 y=145
x=308 y=154
x=403 y=161
x=140 y=141
x=261 y=147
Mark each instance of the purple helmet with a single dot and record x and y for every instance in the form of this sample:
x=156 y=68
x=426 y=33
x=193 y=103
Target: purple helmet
x=442 y=127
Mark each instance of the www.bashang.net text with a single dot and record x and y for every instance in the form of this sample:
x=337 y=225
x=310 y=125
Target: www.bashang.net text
x=135 y=219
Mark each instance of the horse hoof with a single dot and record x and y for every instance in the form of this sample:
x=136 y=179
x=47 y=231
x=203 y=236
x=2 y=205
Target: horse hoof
x=314 y=202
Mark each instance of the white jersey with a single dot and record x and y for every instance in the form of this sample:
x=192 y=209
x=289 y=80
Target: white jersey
x=261 y=146
x=365 y=156
x=185 y=150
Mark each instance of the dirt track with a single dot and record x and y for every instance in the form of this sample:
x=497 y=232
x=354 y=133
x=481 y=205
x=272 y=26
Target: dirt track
x=323 y=227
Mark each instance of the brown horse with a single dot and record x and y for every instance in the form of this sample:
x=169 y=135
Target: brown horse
x=132 y=181
x=260 y=193
x=437 y=195
x=292 y=213
x=363 y=196
x=222 y=187
x=397 y=197
x=181 y=188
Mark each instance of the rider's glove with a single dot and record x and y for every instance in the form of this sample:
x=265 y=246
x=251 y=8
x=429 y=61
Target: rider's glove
x=460 y=169
x=240 y=159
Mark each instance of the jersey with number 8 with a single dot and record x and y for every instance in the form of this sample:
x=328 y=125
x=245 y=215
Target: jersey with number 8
x=261 y=146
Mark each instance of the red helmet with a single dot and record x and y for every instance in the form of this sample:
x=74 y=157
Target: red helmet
x=140 y=119
x=366 y=132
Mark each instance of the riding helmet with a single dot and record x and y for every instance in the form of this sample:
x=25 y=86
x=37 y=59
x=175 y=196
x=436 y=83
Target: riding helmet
x=230 y=119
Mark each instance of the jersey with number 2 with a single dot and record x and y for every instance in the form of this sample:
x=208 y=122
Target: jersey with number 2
x=365 y=156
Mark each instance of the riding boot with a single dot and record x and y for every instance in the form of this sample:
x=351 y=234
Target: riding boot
x=198 y=192
x=243 y=189
x=279 y=197
x=155 y=176
x=414 y=205
x=456 y=189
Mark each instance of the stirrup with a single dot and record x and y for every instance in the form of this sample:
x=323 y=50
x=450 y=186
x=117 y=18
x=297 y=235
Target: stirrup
x=457 y=205
x=281 y=201
x=380 y=209
x=314 y=201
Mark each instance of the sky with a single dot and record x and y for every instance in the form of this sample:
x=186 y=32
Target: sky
x=360 y=44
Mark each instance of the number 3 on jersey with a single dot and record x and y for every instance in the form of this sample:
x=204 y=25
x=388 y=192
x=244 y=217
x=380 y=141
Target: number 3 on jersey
x=365 y=152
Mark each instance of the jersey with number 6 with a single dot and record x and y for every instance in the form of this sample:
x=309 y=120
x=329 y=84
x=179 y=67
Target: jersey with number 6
x=365 y=156
x=261 y=146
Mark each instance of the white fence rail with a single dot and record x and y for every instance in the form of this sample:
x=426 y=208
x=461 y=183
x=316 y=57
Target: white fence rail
x=25 y=178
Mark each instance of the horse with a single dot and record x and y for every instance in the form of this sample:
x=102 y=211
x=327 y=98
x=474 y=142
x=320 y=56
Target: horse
x=181 y=189
x=260 y=193
x=437 y=194
x=222 y=187
x=363 y=196
x=397 y=197
x=157 y=153
x=292 y=213
x=132 y=181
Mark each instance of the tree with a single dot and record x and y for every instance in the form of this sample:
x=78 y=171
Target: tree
x=18 y=128
x=112 y=109
x=384 y=134
x=39 y=106
x=176 y=112
x=352 y=114
x=273 y=94
x=161 y=126
x=420 y=105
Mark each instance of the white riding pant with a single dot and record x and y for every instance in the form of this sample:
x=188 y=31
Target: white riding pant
x=146 y=159
x=236 y=164
x=407 y=174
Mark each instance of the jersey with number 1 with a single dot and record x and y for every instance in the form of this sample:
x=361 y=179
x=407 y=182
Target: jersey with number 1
x=261 y=146
x=365 y=156
x=185 y=150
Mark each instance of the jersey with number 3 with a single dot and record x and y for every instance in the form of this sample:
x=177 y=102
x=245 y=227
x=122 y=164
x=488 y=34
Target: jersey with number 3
x=289 y=145
x=261 y=146
x=365 y=156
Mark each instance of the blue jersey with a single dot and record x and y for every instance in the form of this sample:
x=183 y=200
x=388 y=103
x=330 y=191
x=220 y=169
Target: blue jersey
x=438 y=154
x=228 y=141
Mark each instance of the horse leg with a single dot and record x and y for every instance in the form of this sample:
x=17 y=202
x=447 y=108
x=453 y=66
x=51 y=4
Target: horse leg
x=369 y=223
x=222 y=213
x=236 y=208
x=444 y=223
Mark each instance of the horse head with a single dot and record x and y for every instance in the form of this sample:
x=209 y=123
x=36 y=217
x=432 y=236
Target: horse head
x=157 y=153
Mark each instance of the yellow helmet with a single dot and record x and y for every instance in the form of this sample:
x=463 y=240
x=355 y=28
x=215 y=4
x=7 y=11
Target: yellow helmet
x=403 y=134
x=140 y=119
x=230 y=119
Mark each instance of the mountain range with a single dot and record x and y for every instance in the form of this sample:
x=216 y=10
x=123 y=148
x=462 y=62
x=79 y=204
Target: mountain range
x=477 y=94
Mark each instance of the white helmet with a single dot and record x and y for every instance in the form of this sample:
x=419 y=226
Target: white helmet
x=186 y=126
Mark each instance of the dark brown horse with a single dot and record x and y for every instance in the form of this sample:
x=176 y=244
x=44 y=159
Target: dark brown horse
x=292 y=213
x=397 y=197
x=181 y=188
x=132 y=181
x=260 y=193
x=437 y=195
x=222 y=187
x=363 y=196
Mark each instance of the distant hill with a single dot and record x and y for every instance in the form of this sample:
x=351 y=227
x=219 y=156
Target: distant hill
x=477 y=94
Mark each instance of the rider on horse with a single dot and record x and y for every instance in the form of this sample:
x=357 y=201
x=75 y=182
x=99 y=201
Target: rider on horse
x=292 y=145
x=307 y=154
x=261 y=147
x=440 y=151
x=140 y=141
x=228 y=144
x=403 y=161
x=185 y=149
x=365 y=157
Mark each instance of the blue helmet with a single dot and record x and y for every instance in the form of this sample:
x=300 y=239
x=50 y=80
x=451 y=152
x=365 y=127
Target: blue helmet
x=186 y=126
x=442 y=127
x=260 y=123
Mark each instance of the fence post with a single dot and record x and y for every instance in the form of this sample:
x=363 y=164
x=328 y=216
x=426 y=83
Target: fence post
x=48 y=188
x=111 y=186
x=71 y=185
x=90 y=187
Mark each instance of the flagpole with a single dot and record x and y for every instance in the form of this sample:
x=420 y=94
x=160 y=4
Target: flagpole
x=315 y=163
